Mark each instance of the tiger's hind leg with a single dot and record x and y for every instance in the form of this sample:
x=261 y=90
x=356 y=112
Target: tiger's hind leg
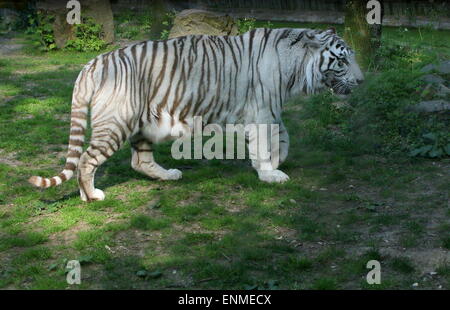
x=142 y=161
x=104 y=143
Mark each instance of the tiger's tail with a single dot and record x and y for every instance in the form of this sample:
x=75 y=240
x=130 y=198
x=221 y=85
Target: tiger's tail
x=82 y=95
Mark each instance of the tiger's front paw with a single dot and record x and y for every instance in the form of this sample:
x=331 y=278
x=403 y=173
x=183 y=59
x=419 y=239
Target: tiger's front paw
x=171 y=174
x=273 y=176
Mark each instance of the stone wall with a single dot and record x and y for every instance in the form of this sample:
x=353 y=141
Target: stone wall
x=397 y=12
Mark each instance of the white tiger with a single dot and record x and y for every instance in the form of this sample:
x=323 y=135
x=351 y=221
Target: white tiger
x=141 y=92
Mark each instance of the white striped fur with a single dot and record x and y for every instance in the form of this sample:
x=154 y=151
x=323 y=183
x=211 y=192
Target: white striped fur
x=141 y=92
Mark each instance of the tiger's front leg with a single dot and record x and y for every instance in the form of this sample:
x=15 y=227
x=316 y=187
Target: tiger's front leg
x=276 y=145
x=142 y=161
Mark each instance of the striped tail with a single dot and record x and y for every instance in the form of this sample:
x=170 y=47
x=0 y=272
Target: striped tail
x=78 y=126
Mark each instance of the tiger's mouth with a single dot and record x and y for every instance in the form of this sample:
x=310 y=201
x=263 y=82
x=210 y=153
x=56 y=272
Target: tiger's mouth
x=343 y=87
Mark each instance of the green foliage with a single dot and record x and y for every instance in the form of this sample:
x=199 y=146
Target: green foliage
x=402 y=264
x=246 y=24
x=325 y=125
x=381 y=108
x=433 y=145
x=325 y=283
x=130 y=25
x=145 y=222
x=218 y=227
x=40 y=26
x=446 y=243
x=167 y=23
x=377 y=119
x=19 y=19
x=88 y=37
x=398 y=55
x=269 y=24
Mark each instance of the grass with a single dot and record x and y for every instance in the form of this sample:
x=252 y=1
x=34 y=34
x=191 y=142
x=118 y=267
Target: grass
x=218 y=227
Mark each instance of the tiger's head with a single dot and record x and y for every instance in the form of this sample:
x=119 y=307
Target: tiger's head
x=338 y=66
x=332 y=63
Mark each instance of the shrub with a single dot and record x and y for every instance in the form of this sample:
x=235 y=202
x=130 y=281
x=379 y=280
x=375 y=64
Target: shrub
x=432 y=145
x=377 y=119
x=380 y=108
x=88 y=37
x=399 y=56
x=168 y=23
x=40 y=27
x=246 y=24
x=130 y=25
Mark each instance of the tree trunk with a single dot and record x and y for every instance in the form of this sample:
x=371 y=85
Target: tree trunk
x=99 y=10
x=159 y=9
x=365 y=39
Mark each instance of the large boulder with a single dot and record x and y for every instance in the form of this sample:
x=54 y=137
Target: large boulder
x=202 y=22
x=99 y=10
x=430 y=106
x=9 y=18
x=432 y=79
x=442 y=68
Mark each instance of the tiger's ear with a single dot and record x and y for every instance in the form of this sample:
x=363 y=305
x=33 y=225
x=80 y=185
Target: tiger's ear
x=331 y=30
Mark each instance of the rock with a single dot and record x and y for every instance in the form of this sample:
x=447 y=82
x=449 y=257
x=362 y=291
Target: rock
x=99 y=10
x=9 y=46
x=432 y=79
x=202 y=22
x=444 y=67
x=9 y=18
x=430 y=106
x=434 y=91
x=442 y=91
x=428 y=68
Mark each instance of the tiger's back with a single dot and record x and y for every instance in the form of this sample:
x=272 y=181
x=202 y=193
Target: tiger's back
x=158 y=84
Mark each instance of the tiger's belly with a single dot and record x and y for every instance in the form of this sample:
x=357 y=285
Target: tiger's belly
x=168 y=128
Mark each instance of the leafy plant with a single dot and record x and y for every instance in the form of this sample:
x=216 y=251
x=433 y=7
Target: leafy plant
x=40 y=26
x=168 y=23
x=395 y=55
x=269 y=24
x=246 y=24
x=88 y=37
x=377 y=119
x=129 y=24
x=145 y=274
x=433 y=145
